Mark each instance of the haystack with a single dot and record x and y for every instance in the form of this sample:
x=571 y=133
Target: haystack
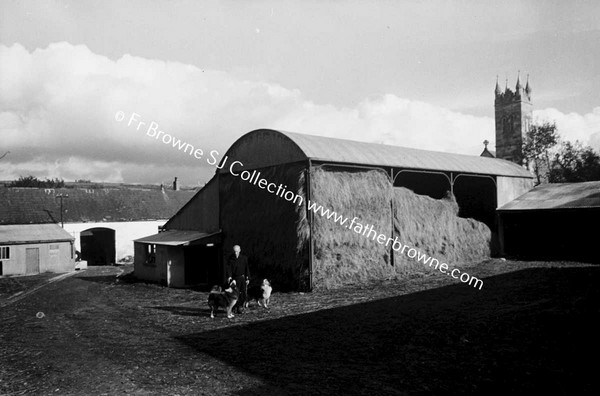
x=433 y=227
x=342 y=256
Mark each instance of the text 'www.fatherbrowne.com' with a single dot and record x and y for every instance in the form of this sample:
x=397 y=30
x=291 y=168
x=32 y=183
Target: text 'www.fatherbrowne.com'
x=368 y=231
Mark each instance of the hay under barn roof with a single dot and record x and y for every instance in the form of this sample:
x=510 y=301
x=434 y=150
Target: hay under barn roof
x=342 y=256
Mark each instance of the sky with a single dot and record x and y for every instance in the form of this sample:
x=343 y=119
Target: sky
x=410 y=73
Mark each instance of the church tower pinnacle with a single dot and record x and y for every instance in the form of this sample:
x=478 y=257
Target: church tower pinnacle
x=498 y=91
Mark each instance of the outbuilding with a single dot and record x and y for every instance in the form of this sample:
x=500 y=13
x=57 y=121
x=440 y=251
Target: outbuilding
x=103 y=220
x=264 y=185
x=35 y=248
x=553 y=221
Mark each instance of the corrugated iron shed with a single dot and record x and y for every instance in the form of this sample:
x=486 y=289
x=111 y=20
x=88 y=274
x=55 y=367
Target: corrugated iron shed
x=557 y=196
x=324 y=149
x=33 y=233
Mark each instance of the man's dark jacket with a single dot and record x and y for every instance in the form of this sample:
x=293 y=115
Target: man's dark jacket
x=237 y=266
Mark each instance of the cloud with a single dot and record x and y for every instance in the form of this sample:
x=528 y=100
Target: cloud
x=58 y=107
x=573 y=126
x=396 y=121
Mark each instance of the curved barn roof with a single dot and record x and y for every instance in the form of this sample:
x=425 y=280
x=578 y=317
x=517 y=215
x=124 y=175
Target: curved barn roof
x=267 y=147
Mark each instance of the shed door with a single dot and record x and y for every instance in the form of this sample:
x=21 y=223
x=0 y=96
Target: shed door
x=53 y=261
x=32 y=260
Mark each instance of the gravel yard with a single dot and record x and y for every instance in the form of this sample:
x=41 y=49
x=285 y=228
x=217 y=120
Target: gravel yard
x=532 y=328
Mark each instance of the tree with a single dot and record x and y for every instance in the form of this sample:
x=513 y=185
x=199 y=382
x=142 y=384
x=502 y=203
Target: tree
x=539 y=140
x=575 y=163
x=32 y=181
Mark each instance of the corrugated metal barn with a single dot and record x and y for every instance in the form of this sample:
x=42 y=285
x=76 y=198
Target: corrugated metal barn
x=285 y=241
x=32 y=249
x=553 y=221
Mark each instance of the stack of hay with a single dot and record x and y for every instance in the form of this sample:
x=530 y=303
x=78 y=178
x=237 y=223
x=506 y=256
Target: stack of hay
x=343 y=256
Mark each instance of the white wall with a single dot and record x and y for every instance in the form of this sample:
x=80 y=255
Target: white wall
x=125 y=233
x=510 y=188
x=56 y=260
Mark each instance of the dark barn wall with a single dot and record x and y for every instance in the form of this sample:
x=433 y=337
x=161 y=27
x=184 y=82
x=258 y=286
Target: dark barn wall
x=201 y=213
x=265 y=226
x=552 y=234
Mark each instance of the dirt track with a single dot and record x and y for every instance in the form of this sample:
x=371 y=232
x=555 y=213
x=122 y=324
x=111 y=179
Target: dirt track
x=529 y=330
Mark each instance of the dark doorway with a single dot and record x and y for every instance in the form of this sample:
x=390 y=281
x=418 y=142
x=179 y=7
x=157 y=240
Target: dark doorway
x=201 y=264
x=98 y=246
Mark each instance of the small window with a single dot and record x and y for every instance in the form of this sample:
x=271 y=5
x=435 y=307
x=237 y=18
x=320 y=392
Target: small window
x=53 y=247
x=4 y=252
x=150 y=255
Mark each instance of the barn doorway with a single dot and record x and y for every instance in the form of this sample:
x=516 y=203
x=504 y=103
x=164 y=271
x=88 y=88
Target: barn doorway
x=98 y=246
x=201 y=263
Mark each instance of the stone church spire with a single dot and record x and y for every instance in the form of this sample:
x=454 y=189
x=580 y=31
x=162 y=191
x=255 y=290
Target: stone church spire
x=513 y=117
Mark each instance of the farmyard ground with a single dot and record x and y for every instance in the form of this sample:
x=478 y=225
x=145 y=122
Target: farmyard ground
x=533 y=328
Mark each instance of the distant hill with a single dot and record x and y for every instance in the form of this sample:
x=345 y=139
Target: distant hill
x=91 y=184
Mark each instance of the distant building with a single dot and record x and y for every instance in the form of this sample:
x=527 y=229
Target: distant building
x=35 y=248
x=487 y=153
x=102 y=221
x=513 y=115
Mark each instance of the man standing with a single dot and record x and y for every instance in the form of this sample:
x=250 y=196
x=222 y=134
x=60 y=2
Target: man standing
x=237 y=269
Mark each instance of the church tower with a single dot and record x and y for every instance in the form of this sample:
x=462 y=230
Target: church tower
x=513 y=113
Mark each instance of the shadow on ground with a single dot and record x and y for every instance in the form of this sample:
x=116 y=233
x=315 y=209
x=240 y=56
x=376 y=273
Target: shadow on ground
x=528 y=331
x=184 y=311
x=110 y=275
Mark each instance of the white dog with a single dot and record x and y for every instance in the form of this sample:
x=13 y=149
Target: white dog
x=260 y=293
